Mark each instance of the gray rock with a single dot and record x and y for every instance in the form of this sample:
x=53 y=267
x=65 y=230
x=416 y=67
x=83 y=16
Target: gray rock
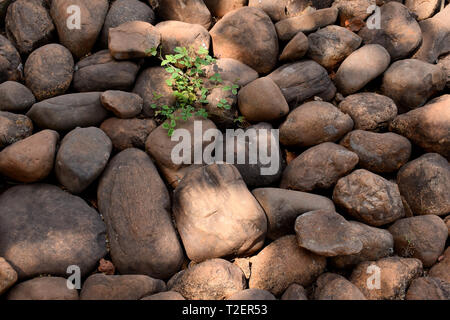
x=43 y=288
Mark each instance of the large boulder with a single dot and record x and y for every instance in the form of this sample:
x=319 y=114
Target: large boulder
x=10 y=62
x=220 y=8
x=191 y=11
x=13 y=128
x=16 y=97
x=231 y=70
x=43 y=288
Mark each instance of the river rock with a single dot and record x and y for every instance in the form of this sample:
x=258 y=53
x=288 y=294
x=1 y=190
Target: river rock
x=444 y=63
x=193 y=11
x=8 y=276
x=331 y=286
x=10 y=62
x=128 y=133
x=441 y=269
x=221 y=8
x=16 y=97
x=13 y=128
x=296 y=48
x=294 y=292
x=231 y=70
x=252 y=294
x=423 y=9
x=43 y=288
x=123 y=104
x=167 y=295
x=428 y=288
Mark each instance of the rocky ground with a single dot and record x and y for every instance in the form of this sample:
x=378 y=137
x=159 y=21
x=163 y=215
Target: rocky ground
x=359 y=208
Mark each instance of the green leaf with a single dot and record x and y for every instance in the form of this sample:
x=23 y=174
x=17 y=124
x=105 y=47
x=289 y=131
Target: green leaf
x=165 y=125
x=169 y=82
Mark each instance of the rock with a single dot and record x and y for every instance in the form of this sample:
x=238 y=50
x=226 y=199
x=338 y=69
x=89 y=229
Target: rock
x=282 y=207
x=123 y=104
x=10 y=61
x=16 y=97
x=313 y=123
x=424 y=183
x=302 y=80
x=447 y=222
x=411 y=82
x=122 y=11
x=136 y=207
x=326 y=233
x=283 y=262
x=262 y=100
x=167 y=295
x=421 y=237
x=247 y=35
x=120 y=287
x=319 y=167
x=3 y=7
x=30 y=159
x=369 y=111
x=252 y=294
x=378 y=152
x=361 y=67
x=232 y=70
x=369 y=198
x=132 y=39
x=351 y=11
x=66 y=112
x=92 y=15
x=400 y=42
x=193 y=11
x=296 y=48
x=83 y=155
x=306 y=23
x=395 y=276
x=436 y=37
x=128 y=133
x=427 y=126
x=106 y=267
x=13 y=128
x=294 y=292
x=377 y=244
x=153 y=80
x=8 y=276
x=220 y=8
x=331 y=45
x=29 y=25
x=55 y=230
x=441 y=269
x=281 y=9
x=331 y=286
x=222 y=117
x=181 y=34
x=49 y=71
x=100 y=72
x=43 y=288
x=423 y=9
x=428 y=288
x=444 y=63
x=228 y=221
x=214 y=279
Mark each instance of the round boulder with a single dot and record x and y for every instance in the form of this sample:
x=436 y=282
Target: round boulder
x=13 y=128
x=10 y=62
x=16 y=97
x=43 y=288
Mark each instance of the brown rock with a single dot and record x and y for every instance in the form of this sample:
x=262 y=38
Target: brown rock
x=123 y=104
x=192 y=11
x=424 y=183
x=294 y=292
x=447 y=222
x=296 y=48
x=319 y=167
x=30 y=159
x=10 y=61
x=231 y=70
x=247 y=35
x=352 y=10
x=123 y=287
x=420 y=237
x=43 y=288
x=13 y=128
x=16 y=97
x=106 y=267
x=331 y=286
x=220 y=8
x=395 y=276
x=252 y=294
x=428 y=288
x=444 y=63
x=214 y=279
x=423 y=9
x=222 y=117
x=281 y=9
x=283 y=262
x=167 y=295
x=369 y=198
x=8 y=276
x=441 y=269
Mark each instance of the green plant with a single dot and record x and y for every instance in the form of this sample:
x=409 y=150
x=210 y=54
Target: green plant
x=187 y=77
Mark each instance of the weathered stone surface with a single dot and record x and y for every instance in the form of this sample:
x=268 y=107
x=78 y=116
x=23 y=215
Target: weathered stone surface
x=395 y=276
x=8 y=276
x=400 y=42
x=319 y=167
x=313 y=123
x=135 y=204
x=43 y=288
x=214 y=279
x=247 y=35
x=92 y=15
x=441 y=269
x=428 y=288
x=428 y=126
x=192 y=11
x=123 y=104
x=294 y=292
x=13 y=128
x=444 y=63
x=81 y=158
x=283 y=262
x=10 y=61
x=282 y=207
x=220 y=8
x=424 y=183
x=252 y=294
x=352 y=11
x=3 y=7
x=128 y=133
x=100 y=72
x=284 y=9
x=331 y=45
x=296 y=48
x=331 y=286
x=29 y=25
x=223 y=118
x=361 y=67
x=66 y=112
x=423 y=9
x=132 y=39
x=15 y=97
x=167 y=295
x=421 y=237
x=308 y=22
x=120 y=287
x=43 y=230
x=30 y=159
x=48 y=71
x=378 y=152
x=232 y=70
x=216 y=215
x=369 y=111
x=369 y=198
x=302 y=80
